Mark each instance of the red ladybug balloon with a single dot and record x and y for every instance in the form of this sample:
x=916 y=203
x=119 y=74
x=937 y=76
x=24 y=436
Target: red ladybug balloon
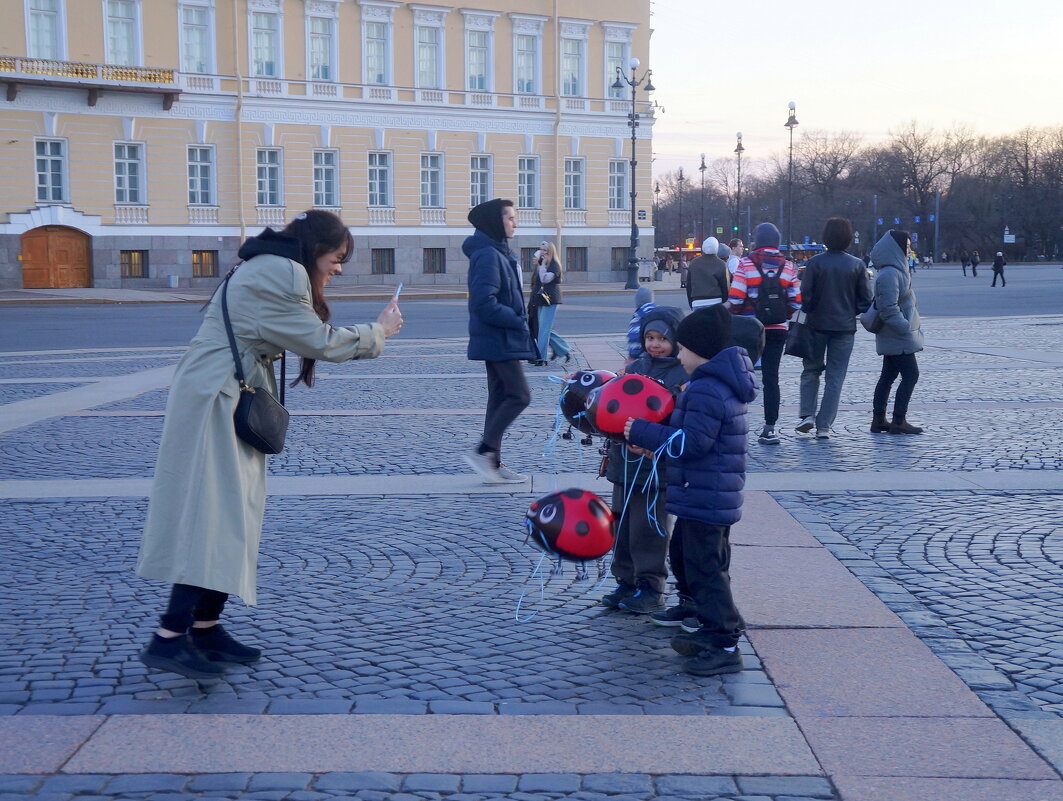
x=573 y=399
x=574 y=524
x=638 y=396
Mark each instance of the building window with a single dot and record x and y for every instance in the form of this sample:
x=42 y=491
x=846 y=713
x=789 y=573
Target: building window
x=200 y=175
x=319 y=48
x=527 y=64
x=134 y=263
x=576 y=260
x=477 y=48
x=265 y=45
x=326 y=178
x=572 y=67
x=615 y=57
x=528 y=182
x=377 y=52
x=527 y=256
x=122 y=34
x=574 y=184
x=43 y=28
x=620 y=257
x=380 y=179
x=382 y=261
x=204 y=263
x=428 y=52
x=197 y=50
x=51 y=170
x=431 y=180
x=480 y=180
x=435 y=261
x=618 y=184
x=269 y=178
x=128 y=173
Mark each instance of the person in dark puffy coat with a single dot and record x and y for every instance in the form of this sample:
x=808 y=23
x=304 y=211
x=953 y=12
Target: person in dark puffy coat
x=639 y=565
x=705 y=442
x=498 y=332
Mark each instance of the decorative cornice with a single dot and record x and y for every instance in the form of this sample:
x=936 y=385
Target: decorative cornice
x=378 y=10
x=272 y=6
x=323 y=8
x=618 y=31
x=433 y=16
x=479 y=20
x=527 y=23
x=575 y=28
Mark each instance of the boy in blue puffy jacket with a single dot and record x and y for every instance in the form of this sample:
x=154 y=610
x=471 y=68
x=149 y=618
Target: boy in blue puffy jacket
x=706 y=446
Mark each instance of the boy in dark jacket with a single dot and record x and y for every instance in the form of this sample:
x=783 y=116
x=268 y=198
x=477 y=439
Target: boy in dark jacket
x=641 y=546
x=706 y=446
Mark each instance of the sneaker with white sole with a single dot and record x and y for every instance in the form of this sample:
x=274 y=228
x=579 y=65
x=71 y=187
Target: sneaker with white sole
x=806 y=425
x=823 y=433
x=509 y=476
x=769 y=436
x=483 y=464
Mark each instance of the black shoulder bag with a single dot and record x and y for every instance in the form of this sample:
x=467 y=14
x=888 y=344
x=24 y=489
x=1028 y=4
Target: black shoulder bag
x=261 y=421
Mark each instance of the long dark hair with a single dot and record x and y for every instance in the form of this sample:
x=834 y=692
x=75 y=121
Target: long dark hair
x=317 y=233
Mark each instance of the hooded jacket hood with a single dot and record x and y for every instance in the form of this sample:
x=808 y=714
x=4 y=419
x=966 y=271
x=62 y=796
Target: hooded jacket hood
x=732 y=367
x=273 y=243
x=487 y=217
x=887 y=252
x=670 y=316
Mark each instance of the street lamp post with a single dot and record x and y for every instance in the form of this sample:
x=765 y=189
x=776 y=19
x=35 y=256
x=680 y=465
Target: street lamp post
x=701 y=218
x=657 y=205
x=633 y=123
x=679 y=183
x=791 y=123
x=738 y=194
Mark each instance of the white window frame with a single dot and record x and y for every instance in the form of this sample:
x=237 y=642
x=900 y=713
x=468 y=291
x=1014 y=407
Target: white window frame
x=475 y=198
x=619 y=194
x=620 y=33
x=334 y=168
x=64 y=171
x=137 y=55
x=573 y=30
x=259 y=165
x=141 y=190
x=430 y=17
x=441 y=187
x=487 y=60
x=198 y=178
x=379 y=12
x=575 y=183
x=580 y=89
x=60 y=31
x=480 y=22
x=531 y=26
x=388 y=173
x=523 y=199
x=208 y=8
x=435 y=81
x=333 y=48
x=273 y=10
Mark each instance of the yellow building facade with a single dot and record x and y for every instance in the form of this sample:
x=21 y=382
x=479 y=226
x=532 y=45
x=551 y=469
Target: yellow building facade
x=142 y=140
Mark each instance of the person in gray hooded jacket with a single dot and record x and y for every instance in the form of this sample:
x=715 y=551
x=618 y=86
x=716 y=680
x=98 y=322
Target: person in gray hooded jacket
x=900 y=337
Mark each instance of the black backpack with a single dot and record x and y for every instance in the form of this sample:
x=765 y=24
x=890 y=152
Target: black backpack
x=771 y=305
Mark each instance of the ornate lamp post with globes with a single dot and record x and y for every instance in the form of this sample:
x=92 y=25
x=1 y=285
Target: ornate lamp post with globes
x=738 y=193
x=791 y=123
x=633 y=123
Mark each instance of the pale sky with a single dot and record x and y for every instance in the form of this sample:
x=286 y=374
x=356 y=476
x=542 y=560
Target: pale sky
x=723 y=67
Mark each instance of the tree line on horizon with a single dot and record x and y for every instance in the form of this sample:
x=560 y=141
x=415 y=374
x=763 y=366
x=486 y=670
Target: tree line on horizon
x=971 y=186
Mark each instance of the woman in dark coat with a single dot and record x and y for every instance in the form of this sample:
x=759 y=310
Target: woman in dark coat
x=542 y=306
x=998 y=269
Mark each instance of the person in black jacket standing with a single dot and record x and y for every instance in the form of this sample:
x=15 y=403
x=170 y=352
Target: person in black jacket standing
x=834 y=290
x=998 y=269
x=708 y=280
x=498 y=332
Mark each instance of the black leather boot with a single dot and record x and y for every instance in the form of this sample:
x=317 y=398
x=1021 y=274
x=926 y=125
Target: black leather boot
x=879 y=425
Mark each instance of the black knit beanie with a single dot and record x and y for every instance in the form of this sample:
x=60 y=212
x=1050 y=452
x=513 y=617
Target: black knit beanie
x=487 y=217
x=705 y=331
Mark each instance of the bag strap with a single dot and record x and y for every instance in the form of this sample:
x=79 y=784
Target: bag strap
x=244 y=387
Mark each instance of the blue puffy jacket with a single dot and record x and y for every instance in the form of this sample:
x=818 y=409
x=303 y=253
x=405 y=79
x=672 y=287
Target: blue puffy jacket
x=707 y=464
x=498 y=318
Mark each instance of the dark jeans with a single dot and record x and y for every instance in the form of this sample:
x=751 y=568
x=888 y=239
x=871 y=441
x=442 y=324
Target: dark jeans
x=700 y=555
x=507 y=396
x=906 y=367
x=189 y=604
x=640 y=551
x=1001 y=274
x=774 y=342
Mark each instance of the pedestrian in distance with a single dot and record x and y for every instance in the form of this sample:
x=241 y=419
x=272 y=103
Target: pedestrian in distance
x=975 y=261
x=738 y=249
x=834 y=290
x=546 y=281
x=643 y=305
x=208 y=498
x=708 y=280
x=684 y=273
x=639 y=557
x=965 y=259
x=765 y=286
x=998 y=269
x=498 y=332
x=900 y=337
x=705 y=442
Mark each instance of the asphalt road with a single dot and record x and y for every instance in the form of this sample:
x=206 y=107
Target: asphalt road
x=942 y=292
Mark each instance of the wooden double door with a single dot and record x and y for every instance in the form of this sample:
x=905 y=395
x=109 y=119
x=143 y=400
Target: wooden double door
x=56 y=257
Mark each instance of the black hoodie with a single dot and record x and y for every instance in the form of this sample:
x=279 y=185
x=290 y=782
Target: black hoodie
x=273 y=243
x=487 y=217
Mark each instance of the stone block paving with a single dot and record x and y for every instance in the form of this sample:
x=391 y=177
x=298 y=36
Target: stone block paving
x=9 y=393
x=377 y=786
x=367 y=605
x=88 y=368
x=974 y=574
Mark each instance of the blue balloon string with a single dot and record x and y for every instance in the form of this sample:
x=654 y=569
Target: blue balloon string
x=538 y=571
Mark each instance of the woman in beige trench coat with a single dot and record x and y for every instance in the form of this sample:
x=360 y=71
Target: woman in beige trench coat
x=208 y=499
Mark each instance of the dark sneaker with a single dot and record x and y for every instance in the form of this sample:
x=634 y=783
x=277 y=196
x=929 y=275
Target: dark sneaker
x=178 y=655
x=644 y=601
x=769 y=436
x=690 y=624
x=713 y=661
x=673 y=616
x=623 y=590
x=217 y=646
x=691 y=643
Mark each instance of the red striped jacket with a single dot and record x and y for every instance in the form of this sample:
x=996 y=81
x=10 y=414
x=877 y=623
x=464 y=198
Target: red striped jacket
x=745 y=282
